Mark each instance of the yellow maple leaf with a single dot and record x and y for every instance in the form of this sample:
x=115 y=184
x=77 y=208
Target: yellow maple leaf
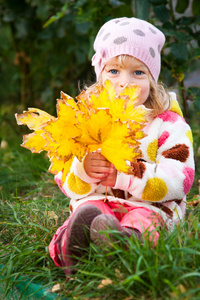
x=53 y=135
x=116 y=149
x=67 y=99
x=60 y=164
x=100 y=132
x=121 y=107
x=36 y=141
x=93 y=128
x=131 y=91
x=99 y=119
x=33 y=118
x=101 y=100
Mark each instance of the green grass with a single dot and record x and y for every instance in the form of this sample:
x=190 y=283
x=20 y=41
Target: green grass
x=32 y=208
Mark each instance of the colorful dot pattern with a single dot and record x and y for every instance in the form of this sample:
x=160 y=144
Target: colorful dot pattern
x=152 y=150
x=155 y=190
x=174 y=151
x=78 y=186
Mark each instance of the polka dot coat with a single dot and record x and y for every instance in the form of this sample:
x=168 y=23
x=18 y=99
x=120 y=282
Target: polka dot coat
x=161 y=178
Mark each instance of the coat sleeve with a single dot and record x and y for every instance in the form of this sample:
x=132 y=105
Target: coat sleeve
x=166 y=171
x=77 y=184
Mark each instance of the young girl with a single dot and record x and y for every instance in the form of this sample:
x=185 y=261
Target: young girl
x=127 y=52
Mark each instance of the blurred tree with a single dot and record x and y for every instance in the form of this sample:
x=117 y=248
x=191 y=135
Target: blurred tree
x=47 y=46
x=38 y=61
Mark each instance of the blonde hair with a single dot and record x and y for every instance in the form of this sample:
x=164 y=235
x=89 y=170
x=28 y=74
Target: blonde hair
x=159 y=99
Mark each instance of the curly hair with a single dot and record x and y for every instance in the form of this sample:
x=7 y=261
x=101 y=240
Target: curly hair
x=159 y=99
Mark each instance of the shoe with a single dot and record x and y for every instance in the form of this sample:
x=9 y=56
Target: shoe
x=106 y=222
x=100 y=225
x=73 y=241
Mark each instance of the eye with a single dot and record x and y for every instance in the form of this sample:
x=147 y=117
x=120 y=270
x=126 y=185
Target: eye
x=138 y=72
x=113 y=71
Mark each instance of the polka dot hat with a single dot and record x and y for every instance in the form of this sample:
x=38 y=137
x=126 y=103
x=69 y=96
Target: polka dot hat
x=129 y=36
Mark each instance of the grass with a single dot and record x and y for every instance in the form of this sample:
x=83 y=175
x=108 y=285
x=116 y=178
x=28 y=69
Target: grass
x=32 y=208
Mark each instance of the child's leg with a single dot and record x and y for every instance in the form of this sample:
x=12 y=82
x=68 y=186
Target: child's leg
x=107 y=222
x=103 y=206
x=74 y=240
x=74 y=233
x=135 y=221
x=110 y=221
x=143 y=219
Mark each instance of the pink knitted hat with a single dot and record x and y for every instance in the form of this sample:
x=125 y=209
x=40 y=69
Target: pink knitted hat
x=129 y=36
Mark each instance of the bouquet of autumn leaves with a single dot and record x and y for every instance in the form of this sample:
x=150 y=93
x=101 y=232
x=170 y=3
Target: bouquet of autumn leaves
x=97 y=120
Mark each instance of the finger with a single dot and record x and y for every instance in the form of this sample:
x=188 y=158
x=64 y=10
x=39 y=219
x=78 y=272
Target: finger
x=112 y=169
x=96 y=155
x=98 y=175
x=100 y=163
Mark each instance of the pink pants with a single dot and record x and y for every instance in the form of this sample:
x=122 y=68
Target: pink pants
x=140 y=218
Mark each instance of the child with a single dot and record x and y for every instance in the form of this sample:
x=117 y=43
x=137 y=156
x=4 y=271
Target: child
x=128 y=51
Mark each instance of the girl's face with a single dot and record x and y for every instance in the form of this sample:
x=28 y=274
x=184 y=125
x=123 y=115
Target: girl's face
x=127 y=70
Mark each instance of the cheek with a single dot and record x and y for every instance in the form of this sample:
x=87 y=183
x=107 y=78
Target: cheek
x=103 y=76
x=144 y=94
x=145 y=90
x=113 y=80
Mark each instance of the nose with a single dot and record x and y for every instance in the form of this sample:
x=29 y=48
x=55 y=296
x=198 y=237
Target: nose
x=124 y=80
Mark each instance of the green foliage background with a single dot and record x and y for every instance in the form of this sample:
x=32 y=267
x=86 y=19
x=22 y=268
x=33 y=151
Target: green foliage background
x=45 y=47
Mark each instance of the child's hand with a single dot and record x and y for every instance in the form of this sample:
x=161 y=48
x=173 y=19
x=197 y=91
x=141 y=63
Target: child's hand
x=110 y=180
x=98 y=167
